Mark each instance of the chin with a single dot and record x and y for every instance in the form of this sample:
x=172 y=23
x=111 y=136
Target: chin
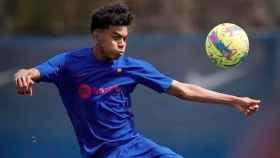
x=118 y=54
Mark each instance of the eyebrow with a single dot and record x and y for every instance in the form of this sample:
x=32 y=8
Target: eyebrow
x=118 y=34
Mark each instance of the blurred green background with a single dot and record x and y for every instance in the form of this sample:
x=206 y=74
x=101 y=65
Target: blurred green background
x=56 y=17
x=168 y=33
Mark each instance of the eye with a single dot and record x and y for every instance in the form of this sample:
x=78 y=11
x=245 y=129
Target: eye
x=117 y=38
x=125 y=38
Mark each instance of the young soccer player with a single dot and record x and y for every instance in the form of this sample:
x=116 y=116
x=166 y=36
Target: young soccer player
x=95 y=85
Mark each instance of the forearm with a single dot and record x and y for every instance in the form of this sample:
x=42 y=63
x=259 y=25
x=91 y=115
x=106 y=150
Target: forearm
x=196 y=93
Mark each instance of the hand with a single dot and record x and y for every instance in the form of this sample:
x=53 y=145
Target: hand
x=247 y=105
x=23 y=82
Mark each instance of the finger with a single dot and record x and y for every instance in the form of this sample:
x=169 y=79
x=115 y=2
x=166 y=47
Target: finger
x=30 y=82
x=19 y=83
x=249 y=112
x=254 y=107
x=29 y=91
x=256 y=101
x=257 y=106
x=252 y=111
x=26 y=93
x=20 y=92
x=25 y=85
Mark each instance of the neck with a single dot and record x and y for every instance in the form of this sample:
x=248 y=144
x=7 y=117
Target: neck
x=99 y=53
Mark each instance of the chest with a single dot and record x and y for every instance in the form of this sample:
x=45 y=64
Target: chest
x=96 y=80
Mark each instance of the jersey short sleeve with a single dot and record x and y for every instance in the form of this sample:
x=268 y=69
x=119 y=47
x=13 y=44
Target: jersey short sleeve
x=146 y=74
x=51 y=70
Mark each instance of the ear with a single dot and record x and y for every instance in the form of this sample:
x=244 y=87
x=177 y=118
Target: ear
x=96 y=34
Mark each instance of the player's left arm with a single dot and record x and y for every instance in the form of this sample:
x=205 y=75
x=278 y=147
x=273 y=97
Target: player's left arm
x=193 y=92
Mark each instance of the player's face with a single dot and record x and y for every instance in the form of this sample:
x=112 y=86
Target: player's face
x=112 y=42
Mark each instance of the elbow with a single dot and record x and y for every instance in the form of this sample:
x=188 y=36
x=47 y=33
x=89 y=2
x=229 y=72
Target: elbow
x=189 y=92
x=184 y=91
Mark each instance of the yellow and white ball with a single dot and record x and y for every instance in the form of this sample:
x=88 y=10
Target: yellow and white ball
x=227 y=45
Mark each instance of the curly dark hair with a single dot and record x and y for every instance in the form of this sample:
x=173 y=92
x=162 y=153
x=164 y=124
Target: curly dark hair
x=113 y=15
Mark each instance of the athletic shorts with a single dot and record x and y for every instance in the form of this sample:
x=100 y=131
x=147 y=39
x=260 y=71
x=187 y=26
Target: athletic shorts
x=138 y=147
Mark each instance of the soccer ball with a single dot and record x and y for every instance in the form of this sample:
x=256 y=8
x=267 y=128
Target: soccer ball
x=227 y=45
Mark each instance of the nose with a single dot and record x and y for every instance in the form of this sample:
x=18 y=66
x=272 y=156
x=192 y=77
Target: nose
x=121 y=44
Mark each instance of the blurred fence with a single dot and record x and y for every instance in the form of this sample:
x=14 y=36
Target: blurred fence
x=39 y=127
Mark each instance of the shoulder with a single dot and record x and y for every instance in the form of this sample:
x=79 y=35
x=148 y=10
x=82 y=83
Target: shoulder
x=72 y=53
x=78 y=53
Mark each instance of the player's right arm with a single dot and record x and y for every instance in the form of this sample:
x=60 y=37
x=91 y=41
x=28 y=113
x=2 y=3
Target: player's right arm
x=49 y=71
x=25 y=79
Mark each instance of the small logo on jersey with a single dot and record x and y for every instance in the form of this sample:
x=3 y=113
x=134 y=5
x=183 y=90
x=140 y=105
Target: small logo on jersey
x=119 y=70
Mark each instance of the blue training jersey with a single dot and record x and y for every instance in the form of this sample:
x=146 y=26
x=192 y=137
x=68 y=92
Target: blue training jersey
x=96 y=95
